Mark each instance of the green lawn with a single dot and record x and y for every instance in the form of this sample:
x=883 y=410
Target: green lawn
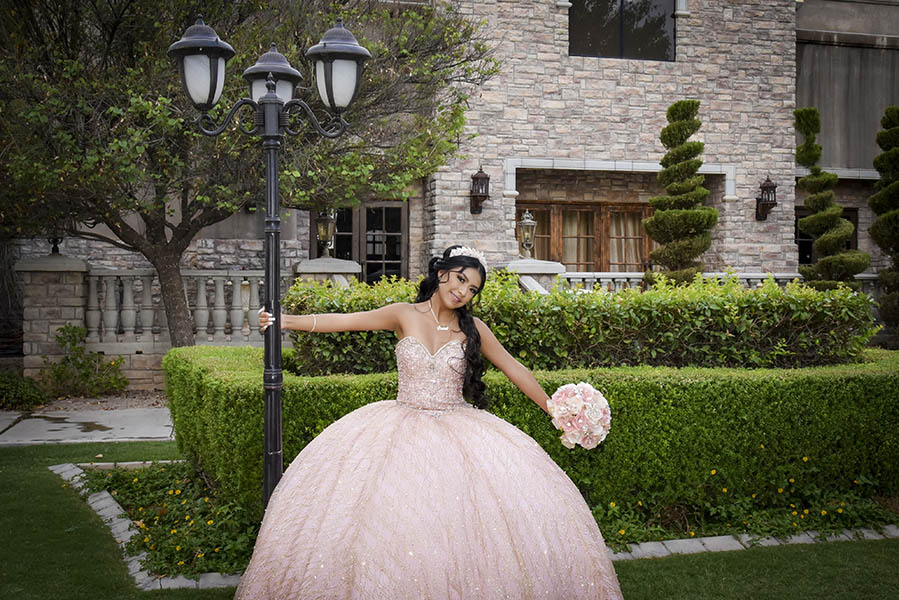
x=56 y=547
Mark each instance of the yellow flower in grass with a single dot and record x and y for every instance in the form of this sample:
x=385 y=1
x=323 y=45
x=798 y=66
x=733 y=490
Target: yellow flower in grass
x=792 y=480
x=173 y=531
x=217 y=549
x=692 y=533
x=178 y=548
x=823 y=512
x=724 y=490
x=801 y=516
x=795 y=513
x=146 y=539
x=795 y=524
x=840 y=510
x=621 y=532
x=805 y=459
x=134 y=480
x=611 y=505
x=191 y=523
x=180 y=562
x=753 y=495
x=171 y=492
x=714 y=471
x=639 y=503
x=805 y=512
x=187 y=517
x=210 y=522
x=762 y=446
x=200 y=555
x=177 y=492
x=152 y=546
x=780 y=490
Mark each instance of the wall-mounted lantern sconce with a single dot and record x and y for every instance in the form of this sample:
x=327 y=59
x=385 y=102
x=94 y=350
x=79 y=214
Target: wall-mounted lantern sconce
x=325 y=224
x=767 y=200
x=527 y=226
x=480 y=190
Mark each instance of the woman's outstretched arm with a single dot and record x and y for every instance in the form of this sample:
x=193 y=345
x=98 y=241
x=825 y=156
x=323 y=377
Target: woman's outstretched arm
x=386 y=317
x=514 y=370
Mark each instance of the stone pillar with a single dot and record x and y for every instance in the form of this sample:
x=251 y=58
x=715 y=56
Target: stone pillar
x=536 y=275
x=328 y=268
x=55 y=295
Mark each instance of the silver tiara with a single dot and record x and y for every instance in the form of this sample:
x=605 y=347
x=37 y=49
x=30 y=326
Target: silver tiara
x=472 y=252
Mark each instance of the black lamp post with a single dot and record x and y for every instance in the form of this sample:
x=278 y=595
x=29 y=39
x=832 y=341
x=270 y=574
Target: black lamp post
x=338 y=66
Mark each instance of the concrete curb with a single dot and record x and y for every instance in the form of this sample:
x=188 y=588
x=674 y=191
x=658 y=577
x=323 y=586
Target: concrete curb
x=122 y=529
x=724 y=543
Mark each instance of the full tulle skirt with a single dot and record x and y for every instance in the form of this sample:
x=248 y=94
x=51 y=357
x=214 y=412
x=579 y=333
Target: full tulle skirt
x=396 y=502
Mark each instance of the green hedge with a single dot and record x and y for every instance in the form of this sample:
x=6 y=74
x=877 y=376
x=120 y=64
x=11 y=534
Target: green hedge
x=710 y=323
x=18 y=392
x=670 y=427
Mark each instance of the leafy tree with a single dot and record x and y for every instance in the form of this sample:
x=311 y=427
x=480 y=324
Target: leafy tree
x=679 y=221
x=831 y=232
x=885 y=204
x=96 y=129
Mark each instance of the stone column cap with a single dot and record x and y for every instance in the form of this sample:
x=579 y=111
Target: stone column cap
x=535 y=267
x=52 y=262
x=328 y=265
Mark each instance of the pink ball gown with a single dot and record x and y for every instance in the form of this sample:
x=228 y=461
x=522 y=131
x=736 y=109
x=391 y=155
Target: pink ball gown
x=426 y=496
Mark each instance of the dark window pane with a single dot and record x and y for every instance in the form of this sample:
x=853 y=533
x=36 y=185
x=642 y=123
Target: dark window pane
x=374 y=219
x=648 y=30
x=394 y=250
x=374 y=246
x=394 y=219
x=343 y=247
x=594 y=28
x=345 y=220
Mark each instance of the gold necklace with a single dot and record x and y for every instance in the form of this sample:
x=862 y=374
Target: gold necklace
x=439 y=326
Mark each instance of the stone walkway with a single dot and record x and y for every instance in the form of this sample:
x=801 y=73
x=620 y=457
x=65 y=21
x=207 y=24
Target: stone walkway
x=122 y=529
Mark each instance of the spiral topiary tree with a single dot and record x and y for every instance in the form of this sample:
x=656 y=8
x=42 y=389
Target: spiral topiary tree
x=835 y=264
x=885 y=204
x=679 y=222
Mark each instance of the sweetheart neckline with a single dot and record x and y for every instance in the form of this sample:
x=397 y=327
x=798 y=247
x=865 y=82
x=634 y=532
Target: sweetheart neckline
x=426 y=349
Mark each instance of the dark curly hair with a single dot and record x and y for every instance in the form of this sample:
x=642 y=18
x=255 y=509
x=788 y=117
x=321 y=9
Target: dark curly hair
x=472 y=386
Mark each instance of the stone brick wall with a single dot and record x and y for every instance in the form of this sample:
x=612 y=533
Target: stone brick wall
x=737 y=58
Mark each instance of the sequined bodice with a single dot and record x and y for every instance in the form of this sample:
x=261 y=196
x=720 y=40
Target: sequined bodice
x=430 y=381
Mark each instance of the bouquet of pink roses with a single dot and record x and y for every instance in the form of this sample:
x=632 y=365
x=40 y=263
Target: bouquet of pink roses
x=581 y=413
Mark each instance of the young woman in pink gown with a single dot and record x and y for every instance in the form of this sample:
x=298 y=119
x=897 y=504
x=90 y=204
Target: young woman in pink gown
x=428 y=496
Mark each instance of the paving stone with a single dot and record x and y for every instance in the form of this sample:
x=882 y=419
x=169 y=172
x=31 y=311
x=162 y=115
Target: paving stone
x=721 y=543
x=146 y=582
x=134 y=564
x=868 y=534
x=624 y=555
x=650 y=550
x=891 y=531
x=685 y=546
x=217 y=580
x=172 y=583
x=749 y=541
x=843 y=536
x=800 y=538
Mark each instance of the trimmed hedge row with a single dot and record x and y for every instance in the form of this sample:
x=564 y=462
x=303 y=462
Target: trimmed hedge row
x=670 y=427
x=709 y=323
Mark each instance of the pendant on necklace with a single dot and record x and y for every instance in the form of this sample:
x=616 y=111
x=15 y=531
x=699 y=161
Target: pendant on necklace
x=443 y=328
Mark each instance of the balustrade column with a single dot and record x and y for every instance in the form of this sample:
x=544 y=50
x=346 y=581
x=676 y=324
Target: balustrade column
x=236 y=308
x=219 y=310
x=146 y=305
x=129 y=312
x=201 y=312
x=110 y=310
x=92 y=316
x=253 y=313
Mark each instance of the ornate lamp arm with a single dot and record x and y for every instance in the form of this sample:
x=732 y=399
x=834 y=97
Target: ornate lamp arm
x=204 y=119
x=332 y=129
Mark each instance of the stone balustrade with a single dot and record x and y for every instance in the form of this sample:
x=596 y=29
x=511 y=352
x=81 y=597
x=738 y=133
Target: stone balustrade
x=123 y=313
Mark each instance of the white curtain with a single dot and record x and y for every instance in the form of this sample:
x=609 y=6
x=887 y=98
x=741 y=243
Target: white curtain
x=625 y=241
x=577 y=240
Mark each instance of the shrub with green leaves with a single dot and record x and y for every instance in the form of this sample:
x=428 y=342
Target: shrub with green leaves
x=711 y=322
x=670 y=427
x=835 y=264
x=18 y=392
x=79 y=372
x=885 y=204
x=679 y=222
